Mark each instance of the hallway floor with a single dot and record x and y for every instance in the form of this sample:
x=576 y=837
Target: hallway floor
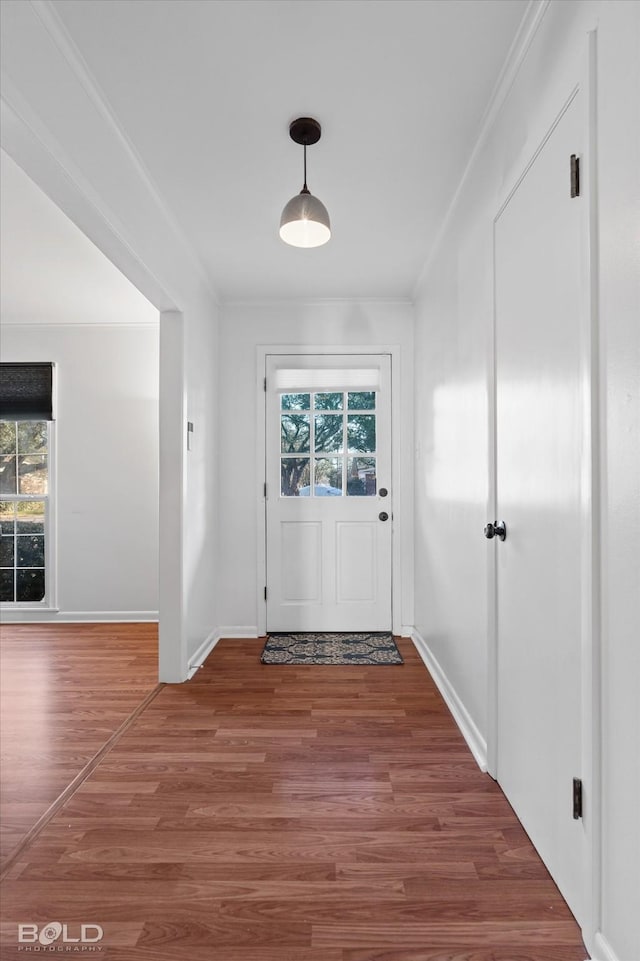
x=263 y=813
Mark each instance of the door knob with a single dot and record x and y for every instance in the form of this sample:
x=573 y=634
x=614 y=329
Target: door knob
x=383 y=516
x=496 y=530
x=383 y=492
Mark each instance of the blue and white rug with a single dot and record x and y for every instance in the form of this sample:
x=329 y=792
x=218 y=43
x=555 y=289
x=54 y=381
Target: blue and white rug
x=314 y=647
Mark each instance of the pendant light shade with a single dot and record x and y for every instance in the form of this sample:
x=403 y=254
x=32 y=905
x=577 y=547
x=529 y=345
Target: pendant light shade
x=305 y=221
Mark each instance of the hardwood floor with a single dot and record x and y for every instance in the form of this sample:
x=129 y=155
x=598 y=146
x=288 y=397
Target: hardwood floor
x=263 y=813
x=65 y=689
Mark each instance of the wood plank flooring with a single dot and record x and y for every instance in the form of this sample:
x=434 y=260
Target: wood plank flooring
x=65 y=689
x=263 y=813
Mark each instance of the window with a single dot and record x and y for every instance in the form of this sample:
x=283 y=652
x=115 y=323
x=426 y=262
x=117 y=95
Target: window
x=24 y=511
x=332 y=436
x=26 y=409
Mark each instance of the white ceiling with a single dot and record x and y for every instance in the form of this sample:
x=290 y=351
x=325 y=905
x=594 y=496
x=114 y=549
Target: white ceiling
x=204 y=90
x=51 y=273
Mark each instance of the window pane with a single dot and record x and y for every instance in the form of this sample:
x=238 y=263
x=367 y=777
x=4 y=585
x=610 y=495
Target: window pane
x=333 y=401
x=294 y=474
x=30 y=585
x=295 y=401
x=6 y=551
x=328 y=429
x=32 y=474
x=32 y=437
x=361 y=400
x=30 y=550
x=7 y=475
x=30 y=517
x=328 y=477
x=7 y=437
x=6 y=586
x=7 y=514
x=295 y=433
x=361 y=432
x=361 y=477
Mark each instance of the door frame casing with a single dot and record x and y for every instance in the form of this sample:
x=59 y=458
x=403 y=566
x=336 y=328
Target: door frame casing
x=582 y=77
x=400 y=567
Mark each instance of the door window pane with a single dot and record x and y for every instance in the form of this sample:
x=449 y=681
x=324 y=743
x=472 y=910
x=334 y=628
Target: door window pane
x=361 y=477
x=361 y=400
x=361 y=432
x=332 y=401
x=295 y=433
x=295 y=401
x=294 y=474
x=328 y=432
x=328 y=478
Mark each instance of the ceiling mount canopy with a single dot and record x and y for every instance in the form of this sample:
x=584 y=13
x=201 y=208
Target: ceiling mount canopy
x=305 y=221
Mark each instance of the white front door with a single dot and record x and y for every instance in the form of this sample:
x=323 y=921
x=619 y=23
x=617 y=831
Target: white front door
x=540 y=424
x=329 y=498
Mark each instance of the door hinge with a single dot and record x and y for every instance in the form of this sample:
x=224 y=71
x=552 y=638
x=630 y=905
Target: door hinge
x=577 y=798
x=265 y=385
x=265 y=489
x=265 y=593
x=575 y=175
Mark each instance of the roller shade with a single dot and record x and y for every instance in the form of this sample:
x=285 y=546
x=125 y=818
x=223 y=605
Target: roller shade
x=291 y=379
x=26 y=391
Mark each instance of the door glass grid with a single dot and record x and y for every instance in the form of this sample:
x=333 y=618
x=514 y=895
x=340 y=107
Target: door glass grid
x=317 y=429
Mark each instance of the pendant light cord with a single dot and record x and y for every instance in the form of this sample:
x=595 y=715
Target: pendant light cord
x=305 y=189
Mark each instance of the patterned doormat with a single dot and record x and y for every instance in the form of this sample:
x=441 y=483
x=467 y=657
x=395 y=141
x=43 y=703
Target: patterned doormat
x=331 y=648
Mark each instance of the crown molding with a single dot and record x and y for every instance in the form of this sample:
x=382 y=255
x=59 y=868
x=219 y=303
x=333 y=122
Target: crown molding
x=531 y=20
x=318 y=302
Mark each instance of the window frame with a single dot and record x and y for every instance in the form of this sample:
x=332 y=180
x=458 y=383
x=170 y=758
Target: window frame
x=49 y=600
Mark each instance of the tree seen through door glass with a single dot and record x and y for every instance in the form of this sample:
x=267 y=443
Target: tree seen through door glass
x=295 y=433
x=332 y=401
x=294 y=474
x=328 y=432
x=361 y=433
x=361 y=477
x=295 y=402
x=328 y=479
x=361 y=400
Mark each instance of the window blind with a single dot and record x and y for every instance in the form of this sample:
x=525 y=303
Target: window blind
x=26 y=391
x=323 y=379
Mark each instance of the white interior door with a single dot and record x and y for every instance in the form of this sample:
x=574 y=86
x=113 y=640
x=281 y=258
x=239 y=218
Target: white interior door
x=329 y=498
x=540 y=394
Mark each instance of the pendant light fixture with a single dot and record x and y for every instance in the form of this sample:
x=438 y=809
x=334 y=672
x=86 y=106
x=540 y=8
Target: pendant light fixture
x=305 y=221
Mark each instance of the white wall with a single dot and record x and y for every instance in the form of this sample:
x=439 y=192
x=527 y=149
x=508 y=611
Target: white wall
x=243 y=328
x=202 y=556
x=453 y=315
x=106 y=446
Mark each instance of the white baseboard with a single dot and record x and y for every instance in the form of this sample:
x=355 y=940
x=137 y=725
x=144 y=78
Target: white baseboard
x=604 y=951
x=235 y=631
x=477 y=744
x=34 y=616
x=199 y=656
